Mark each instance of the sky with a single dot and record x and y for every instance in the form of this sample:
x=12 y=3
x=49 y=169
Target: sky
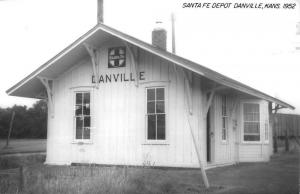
x=253 y=46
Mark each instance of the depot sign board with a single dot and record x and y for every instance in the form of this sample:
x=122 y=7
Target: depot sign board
x=116 y=57
x=118 y=77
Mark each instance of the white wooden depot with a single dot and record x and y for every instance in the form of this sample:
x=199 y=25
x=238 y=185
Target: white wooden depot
x=118 y=129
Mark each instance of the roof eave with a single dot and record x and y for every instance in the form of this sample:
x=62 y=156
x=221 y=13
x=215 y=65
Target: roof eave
x=199 y=69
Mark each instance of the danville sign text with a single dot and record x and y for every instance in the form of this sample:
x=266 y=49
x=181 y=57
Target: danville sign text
x=117 y=77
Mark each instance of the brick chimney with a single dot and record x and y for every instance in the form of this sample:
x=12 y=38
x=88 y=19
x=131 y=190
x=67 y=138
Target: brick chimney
x=159 y=36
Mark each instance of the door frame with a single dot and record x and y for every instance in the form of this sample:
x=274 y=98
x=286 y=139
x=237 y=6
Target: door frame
x=210 y=136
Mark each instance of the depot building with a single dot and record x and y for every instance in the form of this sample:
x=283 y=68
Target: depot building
x=117 y=100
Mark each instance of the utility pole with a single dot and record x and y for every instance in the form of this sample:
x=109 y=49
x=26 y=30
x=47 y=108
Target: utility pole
x=298 y=28
x=10 y=128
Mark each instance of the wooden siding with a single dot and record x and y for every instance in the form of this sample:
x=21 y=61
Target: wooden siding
x=258 y=151
x=287 y=122
x=118 y=116
x=224 y=151
x=119 y=123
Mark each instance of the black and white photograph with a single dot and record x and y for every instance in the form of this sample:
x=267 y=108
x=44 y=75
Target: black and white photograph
x=154 y=97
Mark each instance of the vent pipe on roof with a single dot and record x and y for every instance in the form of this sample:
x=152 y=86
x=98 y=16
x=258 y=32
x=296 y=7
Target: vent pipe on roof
x=100 y=11
x=159 y=36
x=298 y=37
x=173 y=34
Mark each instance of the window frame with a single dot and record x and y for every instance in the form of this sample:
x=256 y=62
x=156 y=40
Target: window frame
x=243 y=121
x=156 y=141
x=267 y=131
x=226 y=117
x=74 y=92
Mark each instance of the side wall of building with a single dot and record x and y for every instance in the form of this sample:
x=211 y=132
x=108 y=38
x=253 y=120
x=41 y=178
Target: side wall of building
x=118 y=110
x=234 y=148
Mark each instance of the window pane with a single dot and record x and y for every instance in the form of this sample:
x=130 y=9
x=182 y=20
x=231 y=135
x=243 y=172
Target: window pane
x=251 y=117
x=160 y=107
x=223 y=122
x=224 y=111
x=251 y=108
x=86 y=133
x=150 y=107
x=78 y=110
x=251 y=127
x=86 y=109
x=223 y=134
x=83 y=123
x=86 y=98
x=251 y=122
x=78 y=98
x=251 y=137
x=151 y=126
x=248 y=117
x=160 y=94
x=256 y=116
x=150 y=94
x=79 y=125
x=266 y=131
x=161 y=127
x=87 y=121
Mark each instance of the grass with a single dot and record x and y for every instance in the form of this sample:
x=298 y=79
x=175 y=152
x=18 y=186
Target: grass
x=279 y=176
x=23 y=146
x=9 y=170
x=15 y=161
x=117 y=180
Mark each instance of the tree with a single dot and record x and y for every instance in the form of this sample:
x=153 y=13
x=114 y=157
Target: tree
x=28 y=122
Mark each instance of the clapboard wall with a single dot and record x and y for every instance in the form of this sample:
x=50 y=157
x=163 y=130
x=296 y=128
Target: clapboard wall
x=260 y=151
x=118 y=122
x=118 y=116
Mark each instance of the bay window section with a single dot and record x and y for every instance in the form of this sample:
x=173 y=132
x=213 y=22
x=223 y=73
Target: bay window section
x=251 y=122
x=156 y=115
x=82 y=116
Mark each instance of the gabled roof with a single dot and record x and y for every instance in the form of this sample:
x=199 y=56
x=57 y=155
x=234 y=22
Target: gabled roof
x=72 y=52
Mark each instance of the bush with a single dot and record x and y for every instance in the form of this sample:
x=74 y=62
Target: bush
x=28 y=122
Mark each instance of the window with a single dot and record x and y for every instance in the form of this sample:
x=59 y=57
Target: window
x=251 y=122
x=266 y=130
x=224 y=118
x=156 y=115
x=82 y=116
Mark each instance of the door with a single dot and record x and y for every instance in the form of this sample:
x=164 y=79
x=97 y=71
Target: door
x=209 y=137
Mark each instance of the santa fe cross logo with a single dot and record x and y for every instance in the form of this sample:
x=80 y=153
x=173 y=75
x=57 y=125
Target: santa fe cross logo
x=116 y=57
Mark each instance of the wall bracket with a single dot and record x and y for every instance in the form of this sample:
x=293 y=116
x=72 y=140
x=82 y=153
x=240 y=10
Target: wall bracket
x=95 y=61
x=134 y=54
x=48 y=84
